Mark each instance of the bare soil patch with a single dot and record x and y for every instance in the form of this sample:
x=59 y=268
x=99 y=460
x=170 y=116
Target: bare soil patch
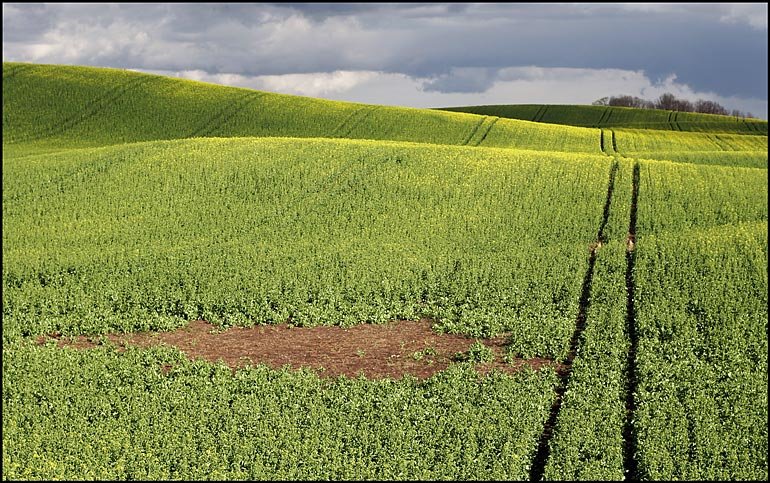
x=373 y=350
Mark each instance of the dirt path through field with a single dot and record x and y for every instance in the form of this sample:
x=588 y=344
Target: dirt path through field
x=374 y=350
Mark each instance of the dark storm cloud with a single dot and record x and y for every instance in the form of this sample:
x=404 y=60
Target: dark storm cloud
x=459 y=47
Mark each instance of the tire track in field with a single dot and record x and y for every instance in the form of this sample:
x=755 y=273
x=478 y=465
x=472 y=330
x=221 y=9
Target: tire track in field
x=614 y=142
x=603 y=142
x=90 y=109
x=601 y=118
x=488 y=128
x=335 y=132
x=725 y=144
x=630 y=464
x=227 y=112
x=609 y=115
x=676 y=121
x=542 y=114
x=355 y=120
x=543 y=448
x=473 y=131
x=717 y=142
x=537 y=113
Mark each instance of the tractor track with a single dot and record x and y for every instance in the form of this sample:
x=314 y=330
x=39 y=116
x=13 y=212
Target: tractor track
x=227 y=112
x=473 y=131
x=489 y=128
x=630 y=465
x=542 y=453
x=90 y=109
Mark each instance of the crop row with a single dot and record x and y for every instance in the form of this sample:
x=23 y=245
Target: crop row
x=588 y=441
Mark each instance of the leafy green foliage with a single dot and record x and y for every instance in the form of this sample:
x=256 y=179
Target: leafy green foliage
x=477 y=352
x=252 y=231
x=701 y=275
x=101 y=414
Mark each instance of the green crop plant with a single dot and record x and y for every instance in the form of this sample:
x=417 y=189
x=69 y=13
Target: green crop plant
x=319 y=231
x=104 y=414
x=422 y=354
x=701 y=276
x=477 y=352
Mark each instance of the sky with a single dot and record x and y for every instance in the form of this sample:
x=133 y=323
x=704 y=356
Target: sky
x=418 y=54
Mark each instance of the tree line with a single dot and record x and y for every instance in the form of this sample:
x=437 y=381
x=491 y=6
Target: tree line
x=670 y=102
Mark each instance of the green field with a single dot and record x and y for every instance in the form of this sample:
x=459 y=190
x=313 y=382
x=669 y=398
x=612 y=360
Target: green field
x=631 y=253
x=621 y=117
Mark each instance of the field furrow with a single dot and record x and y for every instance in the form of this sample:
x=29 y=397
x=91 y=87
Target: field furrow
x=481 y=134
x=88 y=111
x=227 y=112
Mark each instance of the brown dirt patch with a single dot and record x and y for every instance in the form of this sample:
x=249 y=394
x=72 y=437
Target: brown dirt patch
x=630 y=241
x=374 y=350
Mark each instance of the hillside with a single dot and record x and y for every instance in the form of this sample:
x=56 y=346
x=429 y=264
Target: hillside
x=64 y=106
x=204 y=282
x=608 y=116
x=49 y=108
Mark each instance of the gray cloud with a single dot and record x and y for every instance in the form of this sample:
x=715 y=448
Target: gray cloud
x=462 y=79
x=720 y=48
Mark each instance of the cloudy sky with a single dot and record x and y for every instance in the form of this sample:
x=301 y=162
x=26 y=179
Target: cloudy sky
x=421 y=55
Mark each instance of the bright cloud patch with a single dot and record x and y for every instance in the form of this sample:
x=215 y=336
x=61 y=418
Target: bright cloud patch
x=511 y=85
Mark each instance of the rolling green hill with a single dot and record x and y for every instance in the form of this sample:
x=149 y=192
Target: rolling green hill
x=628 y=254
x=607 y=116
x=48 y=108
x=54 y=107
